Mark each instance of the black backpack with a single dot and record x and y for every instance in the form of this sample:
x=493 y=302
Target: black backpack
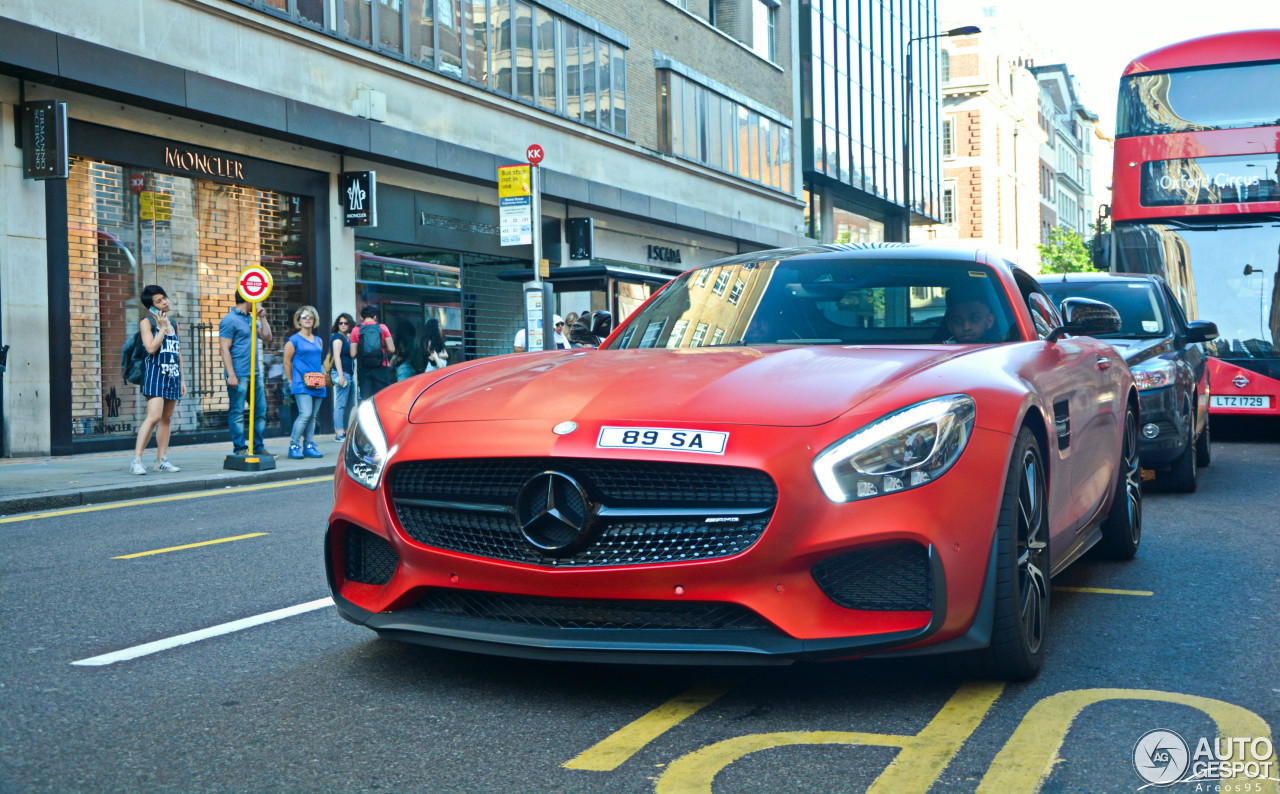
x=133 y=356
x=369 y=347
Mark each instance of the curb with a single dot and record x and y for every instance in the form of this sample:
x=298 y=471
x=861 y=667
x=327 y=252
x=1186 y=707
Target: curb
x=119 y=493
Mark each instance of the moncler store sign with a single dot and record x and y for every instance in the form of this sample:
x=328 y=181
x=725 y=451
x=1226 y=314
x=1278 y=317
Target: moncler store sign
x=359 y=198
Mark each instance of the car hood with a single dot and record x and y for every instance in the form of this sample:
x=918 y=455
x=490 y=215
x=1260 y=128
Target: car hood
x=778 y=386
x=1137 y=349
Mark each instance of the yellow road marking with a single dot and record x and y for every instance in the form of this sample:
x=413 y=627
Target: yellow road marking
x=188 y=546
x=920 y=763
x=616 y=748
x=156 y=500
x=1104 y=591
x=1030 y=755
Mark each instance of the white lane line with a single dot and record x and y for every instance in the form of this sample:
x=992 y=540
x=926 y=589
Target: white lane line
x=203 y=634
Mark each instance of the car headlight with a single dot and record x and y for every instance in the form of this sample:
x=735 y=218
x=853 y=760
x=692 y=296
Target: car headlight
x=899 y=451
x=1152 y=374
x=365 y=453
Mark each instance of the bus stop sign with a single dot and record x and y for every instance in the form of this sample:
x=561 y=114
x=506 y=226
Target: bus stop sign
x=254 y=284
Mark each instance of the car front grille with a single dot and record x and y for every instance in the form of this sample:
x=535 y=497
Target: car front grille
x=368 y=558
x=581 y=613
x=649 y=512
x=883 y=578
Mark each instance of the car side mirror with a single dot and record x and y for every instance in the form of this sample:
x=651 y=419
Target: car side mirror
x=1201 y=331
x=1085 y=317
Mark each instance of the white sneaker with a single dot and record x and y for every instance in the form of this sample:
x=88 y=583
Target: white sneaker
x=136 y=467
x=163 y=464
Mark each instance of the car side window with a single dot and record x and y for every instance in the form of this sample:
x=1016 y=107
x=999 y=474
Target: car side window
x=1179 y=319
x=1043 y=314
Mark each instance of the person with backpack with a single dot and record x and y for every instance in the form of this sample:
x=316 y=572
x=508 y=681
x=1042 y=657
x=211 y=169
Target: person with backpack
x=162 y=384
x=233 y=345
x=370 y=351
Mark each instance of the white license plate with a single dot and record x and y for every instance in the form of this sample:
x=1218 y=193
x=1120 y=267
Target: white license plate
x=707 y=441
x=1239 y=401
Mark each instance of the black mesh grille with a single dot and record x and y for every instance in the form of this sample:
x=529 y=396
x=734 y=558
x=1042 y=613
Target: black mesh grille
x=885 y=578
x=620 y=541
x=368 y=558
x=577 y=613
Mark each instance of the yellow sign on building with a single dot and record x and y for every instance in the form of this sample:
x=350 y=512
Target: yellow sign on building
x=514 y=180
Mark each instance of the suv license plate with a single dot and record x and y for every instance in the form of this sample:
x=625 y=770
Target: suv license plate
x=1238 y=401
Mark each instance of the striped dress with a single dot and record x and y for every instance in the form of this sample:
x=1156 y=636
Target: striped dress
x=162 y=376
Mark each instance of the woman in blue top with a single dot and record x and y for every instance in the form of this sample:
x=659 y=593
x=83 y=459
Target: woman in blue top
x=304 y=370
x=162 y=384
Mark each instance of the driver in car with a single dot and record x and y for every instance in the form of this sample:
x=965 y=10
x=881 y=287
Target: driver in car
x=969 y=318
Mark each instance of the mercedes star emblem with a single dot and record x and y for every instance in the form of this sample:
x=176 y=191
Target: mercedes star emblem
x=554 y=513
x=1240 y=381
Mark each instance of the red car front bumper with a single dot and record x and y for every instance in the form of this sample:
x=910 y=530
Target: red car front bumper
x=777 y=609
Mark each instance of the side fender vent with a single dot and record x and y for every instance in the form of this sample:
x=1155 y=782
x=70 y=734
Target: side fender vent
x=1062 y=422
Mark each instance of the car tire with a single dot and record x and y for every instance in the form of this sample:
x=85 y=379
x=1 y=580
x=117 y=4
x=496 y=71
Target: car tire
x=1122 y=528
x=1180 y=477
x=1021 y=615
x=1203 y=452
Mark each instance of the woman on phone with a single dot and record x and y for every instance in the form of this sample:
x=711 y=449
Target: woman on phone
x=304 y=372
x=162 y=384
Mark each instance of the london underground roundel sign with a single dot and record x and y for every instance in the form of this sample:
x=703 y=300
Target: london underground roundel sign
x=254 y=283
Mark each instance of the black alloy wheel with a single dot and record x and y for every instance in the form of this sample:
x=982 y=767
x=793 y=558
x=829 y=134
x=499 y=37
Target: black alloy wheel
x=1122 y=528
x=1181 y=474
x=1021 y=620
x=1203 y=453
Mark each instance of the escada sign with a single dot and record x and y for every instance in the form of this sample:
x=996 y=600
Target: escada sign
x=207 y=164
x=658 y=253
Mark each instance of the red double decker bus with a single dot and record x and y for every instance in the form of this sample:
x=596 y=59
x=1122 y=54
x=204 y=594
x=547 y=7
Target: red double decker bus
x=1196 y=199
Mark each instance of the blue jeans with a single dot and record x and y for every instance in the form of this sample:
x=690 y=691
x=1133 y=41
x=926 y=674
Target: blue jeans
x=238 y=396
x=343 y=398
x=304 y=427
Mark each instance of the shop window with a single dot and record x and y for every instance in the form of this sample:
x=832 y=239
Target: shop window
x=192 y=237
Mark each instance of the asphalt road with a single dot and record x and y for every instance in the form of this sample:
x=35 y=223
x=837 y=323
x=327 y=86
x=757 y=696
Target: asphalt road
x=312 y=703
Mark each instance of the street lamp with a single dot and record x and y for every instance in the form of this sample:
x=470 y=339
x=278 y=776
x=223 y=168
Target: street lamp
x=967 y=30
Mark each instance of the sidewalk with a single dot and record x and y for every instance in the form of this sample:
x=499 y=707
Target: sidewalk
x=31 y=484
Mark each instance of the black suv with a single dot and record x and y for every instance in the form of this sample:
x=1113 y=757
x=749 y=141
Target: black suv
x=1168 y=364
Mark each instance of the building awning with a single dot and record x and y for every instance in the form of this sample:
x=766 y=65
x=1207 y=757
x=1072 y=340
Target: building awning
x=585 y=278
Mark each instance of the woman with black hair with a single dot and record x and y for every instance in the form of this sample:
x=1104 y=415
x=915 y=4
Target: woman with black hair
x=162 y=384
x=433 y=347
x=407 y=361
x=344 y=393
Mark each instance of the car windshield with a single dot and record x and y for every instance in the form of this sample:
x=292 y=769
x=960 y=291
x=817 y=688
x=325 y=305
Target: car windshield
x=824 y=299
x=1141 y=313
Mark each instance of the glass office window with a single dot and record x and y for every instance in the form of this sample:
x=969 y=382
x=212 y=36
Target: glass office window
x=588 y=78
x=356 y=21
x=422 y=36
x=572 y=74
x=502 y=47
x=619 y=72
x=604 y=60
x=478 y=42
x=449 y=38
x=546 y=30
x=390 y=33
x=524 y=51
x=675 y=115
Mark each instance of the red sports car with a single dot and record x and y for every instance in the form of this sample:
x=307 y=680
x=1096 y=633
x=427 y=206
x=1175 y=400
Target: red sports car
x=823 y=453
